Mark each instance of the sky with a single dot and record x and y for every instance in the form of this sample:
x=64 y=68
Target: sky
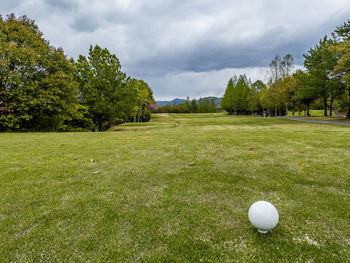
x=186 y=47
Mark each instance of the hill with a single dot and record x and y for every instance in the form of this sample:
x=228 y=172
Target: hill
x=170 y=102
x=179 y=101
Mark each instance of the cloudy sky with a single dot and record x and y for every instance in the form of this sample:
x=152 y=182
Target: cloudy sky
x=186 y=47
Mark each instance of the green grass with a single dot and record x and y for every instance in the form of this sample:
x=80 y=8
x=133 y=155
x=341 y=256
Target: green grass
x=318 y=115
x=176 y=189
x=313 y=113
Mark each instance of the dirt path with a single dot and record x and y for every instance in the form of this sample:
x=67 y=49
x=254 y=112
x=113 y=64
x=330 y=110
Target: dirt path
x=317 y=121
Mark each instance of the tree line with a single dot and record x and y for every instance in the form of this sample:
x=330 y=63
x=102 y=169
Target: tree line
x=205 y=105
x=324 y=81
x=42 y=90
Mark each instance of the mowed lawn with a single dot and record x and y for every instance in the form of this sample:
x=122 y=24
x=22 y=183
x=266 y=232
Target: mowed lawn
x=177 y=189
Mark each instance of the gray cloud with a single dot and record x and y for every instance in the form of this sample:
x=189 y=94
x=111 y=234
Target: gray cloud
x=180 y=40
x=61 y=4
x=7 y=6
x=85 y=23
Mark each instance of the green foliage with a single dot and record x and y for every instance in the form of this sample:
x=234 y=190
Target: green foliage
x=41 y=90
x=227 y=100
x=37 y=87
x=241 y=97
x=140 y=100
x=254 y=104
x=194 y=106
x=342 y=50
x=102 y=86
x=320 y=62
x=326 y=77
x=79 y=120
x=343 y=32
x=275 y=97
x=272 y=99
x=307 y=91
x=111 y=97
x=205 y=105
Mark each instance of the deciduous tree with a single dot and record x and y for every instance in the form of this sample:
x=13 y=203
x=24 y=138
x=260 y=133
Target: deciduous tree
x=37 y=87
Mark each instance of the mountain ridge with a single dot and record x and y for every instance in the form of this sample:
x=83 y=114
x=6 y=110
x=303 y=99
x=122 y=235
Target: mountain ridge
x=179 y=101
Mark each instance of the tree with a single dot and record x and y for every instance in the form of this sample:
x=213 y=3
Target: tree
x=104 y=87
x=287 y=66
x=336 y=88
x=343 y=32
x=227 y=100
x=289 y=92
x=213 y=107
x=271 y=99
x=37 y=87
x=204 y=105
x=320 y=62
x=194 y=106
x=280 y=68
x=236 y=97
x=342 y=51
x=306 y=90
x=254 y=96
x=140 y=101
x=240 y=95
x=187 y=105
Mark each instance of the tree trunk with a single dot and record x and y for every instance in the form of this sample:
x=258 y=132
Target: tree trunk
x=308 y=109
x=325 y=106
x=275 y=109
x=331 y=107
x=286 y=109
x=348 y=114
x=293 y=110
x=299 y=108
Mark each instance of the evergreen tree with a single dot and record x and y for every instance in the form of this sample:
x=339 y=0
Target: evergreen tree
x=194 y=106
x=236 y=97
x=320 y=62
x=213 y=107
x=227 y=100
x=103 y=87
x=200 y=105
x=240 y=95
x=187 y=105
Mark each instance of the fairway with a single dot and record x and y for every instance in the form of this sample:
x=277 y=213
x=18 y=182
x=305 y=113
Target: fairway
x=176 y=189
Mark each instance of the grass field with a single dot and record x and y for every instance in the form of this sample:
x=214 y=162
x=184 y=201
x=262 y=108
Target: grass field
x=176 y=189
x=313 y=113
x=318 y=115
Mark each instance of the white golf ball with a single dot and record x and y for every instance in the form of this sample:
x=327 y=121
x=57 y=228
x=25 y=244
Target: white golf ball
x=263 y=215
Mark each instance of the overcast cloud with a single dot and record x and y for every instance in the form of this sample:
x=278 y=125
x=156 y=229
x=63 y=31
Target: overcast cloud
x=184 y=47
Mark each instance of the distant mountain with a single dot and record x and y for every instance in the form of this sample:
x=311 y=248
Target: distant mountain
x=217 y=100
x=179 y=101
x=170 y=102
